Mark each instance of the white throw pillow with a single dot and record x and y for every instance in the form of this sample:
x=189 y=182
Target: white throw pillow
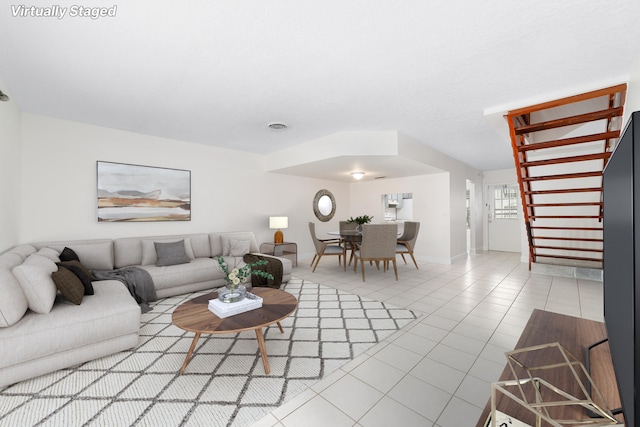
x=149 y=256
x=13 y=303
x=34 y=276
x=226 y=242
x=238 y=248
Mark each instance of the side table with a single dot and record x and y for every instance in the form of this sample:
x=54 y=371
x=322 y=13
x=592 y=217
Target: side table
x=287 y=250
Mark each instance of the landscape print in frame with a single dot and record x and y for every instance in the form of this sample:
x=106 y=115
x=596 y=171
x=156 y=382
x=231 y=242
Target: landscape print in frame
x=128 y=193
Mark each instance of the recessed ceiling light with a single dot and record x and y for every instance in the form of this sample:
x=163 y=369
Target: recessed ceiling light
x=357 y=175
x=277 y=126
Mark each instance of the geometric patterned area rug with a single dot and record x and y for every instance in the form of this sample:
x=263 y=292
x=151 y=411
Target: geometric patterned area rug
x=223 y=385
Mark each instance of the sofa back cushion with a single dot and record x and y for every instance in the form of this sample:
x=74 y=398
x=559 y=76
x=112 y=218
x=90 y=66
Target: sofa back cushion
x=23 y=251
x=221 y=242
x=13 y=301
x=150 y=251
x=141 y=250
x=93 y=254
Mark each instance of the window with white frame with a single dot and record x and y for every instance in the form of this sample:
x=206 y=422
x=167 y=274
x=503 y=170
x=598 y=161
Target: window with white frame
x=505 y=202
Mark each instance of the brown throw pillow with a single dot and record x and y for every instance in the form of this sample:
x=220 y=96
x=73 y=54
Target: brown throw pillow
x=82 y=272
x=68 y=284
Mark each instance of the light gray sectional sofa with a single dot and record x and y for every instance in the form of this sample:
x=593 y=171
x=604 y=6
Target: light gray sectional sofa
x=41 y=331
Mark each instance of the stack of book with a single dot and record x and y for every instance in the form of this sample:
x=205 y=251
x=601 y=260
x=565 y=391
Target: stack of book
x=226 y=309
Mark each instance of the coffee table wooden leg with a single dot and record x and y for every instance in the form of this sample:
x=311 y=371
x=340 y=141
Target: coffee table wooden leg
x=188 y=358
x=263 y=350
x=280 y=327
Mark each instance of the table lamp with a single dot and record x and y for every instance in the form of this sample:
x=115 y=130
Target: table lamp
x=278 y=222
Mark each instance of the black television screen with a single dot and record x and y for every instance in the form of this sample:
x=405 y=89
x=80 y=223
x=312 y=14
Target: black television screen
x=621 y=197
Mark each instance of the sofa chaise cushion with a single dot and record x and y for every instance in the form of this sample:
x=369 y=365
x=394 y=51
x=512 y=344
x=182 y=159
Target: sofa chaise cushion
x=108 y=314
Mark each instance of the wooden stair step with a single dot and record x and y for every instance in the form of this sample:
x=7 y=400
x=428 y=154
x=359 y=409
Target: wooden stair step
x=570 y=141
x=565 y=191
x=572 y=159
x=541 y=227
x=563 y=176
x=562 y=248
x=534 y=217
x=554 y=205
x=569 y=257
x=571 y=120
x=570 y=239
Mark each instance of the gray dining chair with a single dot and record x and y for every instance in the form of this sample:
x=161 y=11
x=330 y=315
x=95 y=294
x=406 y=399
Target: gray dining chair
x=378 y=244
x=407 y=241
x=347 y=243
x=324 y=247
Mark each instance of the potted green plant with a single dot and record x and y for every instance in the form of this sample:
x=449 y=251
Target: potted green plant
x=363 y=219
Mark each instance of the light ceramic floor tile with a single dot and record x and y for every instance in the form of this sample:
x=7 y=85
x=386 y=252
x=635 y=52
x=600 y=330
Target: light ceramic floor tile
x=398 y=357
x=438 y=374
x=474 y=391
x=352 y=396
x=452 y=357
x=459 y=413
x=424 y=398
x=318 y=412
x=378 y=374
x=389 y=412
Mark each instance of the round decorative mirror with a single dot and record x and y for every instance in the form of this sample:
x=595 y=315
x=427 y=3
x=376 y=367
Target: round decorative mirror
x=324 y=205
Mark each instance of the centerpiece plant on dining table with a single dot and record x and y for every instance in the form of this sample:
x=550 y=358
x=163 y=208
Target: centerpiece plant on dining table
x=239 y=275
x=363 y=219
x=360 y=220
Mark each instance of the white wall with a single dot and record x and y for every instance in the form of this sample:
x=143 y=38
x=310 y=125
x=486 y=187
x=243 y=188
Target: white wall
x=9 y=171
x=633 y=92
x=430 y=207
x=229 y=190
x=459 y=173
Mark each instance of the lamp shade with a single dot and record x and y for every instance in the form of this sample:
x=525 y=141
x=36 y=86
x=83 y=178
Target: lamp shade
x=278 y=221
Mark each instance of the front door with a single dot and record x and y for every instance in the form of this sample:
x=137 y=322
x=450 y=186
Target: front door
x=504 y=228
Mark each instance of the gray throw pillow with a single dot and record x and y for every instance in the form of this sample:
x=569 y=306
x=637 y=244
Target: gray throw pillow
x=171 y=253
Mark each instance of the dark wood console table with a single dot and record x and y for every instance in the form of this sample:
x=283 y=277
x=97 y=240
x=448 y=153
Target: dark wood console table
x=575 y=334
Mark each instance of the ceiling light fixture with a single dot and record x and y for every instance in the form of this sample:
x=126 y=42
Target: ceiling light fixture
x=3 y=97
x=277 y=126
x=357 y=175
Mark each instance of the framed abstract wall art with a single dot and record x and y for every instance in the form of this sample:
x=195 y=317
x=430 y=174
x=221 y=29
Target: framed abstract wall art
x=142 y=193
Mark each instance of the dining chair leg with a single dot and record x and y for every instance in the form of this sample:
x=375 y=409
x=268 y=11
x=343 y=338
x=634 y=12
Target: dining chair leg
x=395 y=268
x=414 y=260
x=403 y=258
x=314 y=258
x=317 y=262
x=362 y=268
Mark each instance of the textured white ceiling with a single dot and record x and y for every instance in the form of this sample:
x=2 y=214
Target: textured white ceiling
x=217 y=72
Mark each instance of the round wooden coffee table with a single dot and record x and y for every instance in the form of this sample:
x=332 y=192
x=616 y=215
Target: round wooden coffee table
x=194 y=316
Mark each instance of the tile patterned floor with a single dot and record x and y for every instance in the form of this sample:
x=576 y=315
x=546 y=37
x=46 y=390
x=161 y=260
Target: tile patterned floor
x=436 y=372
